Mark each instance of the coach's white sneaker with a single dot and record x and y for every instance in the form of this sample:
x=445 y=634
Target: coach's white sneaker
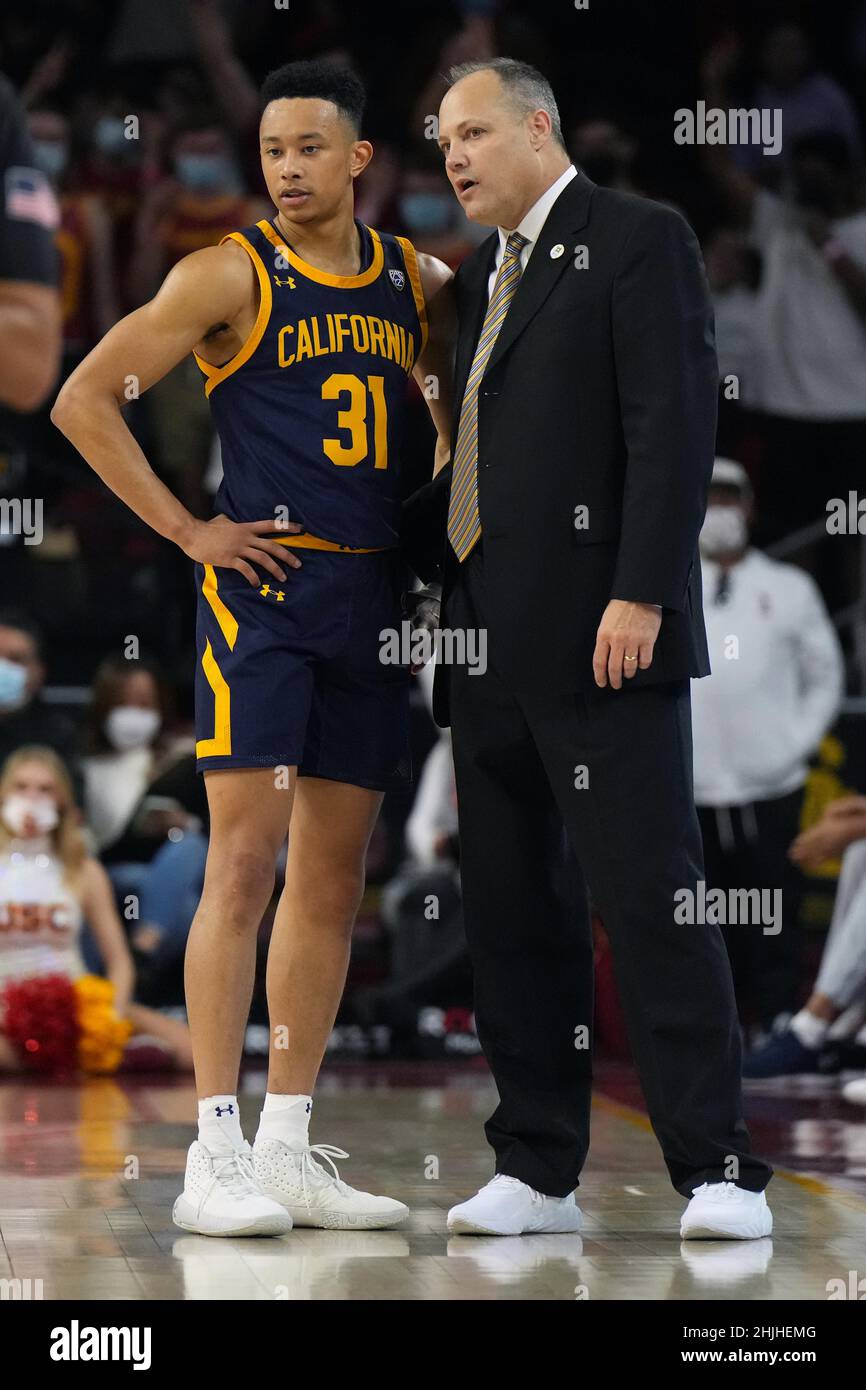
x=855 y=1091
x=221 y=1197
x=316 y=1197
x=509 y=1207
x=723 y=1211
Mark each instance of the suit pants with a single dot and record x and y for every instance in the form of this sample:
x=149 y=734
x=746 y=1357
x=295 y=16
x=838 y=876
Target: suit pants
x=615 y=766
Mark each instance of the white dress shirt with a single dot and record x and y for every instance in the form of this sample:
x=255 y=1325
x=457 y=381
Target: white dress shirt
x=531 y=226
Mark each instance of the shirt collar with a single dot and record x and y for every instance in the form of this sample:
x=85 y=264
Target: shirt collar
x=534 y=220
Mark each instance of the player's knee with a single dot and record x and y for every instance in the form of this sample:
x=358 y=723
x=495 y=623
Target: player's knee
x=340 y=891
x=237 y=869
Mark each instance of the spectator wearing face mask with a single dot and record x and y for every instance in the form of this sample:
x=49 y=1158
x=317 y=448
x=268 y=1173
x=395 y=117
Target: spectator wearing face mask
x=144 y=807
x=126 y=746
x=775 y=688
x=428 y=214
x=195 y=207
x=25 y=716
x=198 y=203
x=83 y=239
x=50 y=887
x=118 y=166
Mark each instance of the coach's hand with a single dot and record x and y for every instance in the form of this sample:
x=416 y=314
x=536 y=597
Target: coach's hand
x=626 y=629
x=232 y=544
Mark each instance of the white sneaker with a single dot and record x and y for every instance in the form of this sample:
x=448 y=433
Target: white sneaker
x=723 y=1211
x=855 y=1091
x=221 y=1197
x=509 y=1207
x=315 y=1197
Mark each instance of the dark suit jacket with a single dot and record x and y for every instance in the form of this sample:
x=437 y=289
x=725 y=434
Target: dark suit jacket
x=600 y=394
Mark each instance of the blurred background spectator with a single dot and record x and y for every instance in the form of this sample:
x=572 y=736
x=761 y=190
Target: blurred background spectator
x=775 y=690
x=142 y=118
x=828 y=1033
x=25 y=715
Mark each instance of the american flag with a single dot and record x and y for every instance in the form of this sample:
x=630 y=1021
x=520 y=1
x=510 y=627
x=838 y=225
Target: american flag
x=30 y=197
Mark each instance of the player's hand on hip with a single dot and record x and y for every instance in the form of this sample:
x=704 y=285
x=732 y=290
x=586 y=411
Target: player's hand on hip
x=625 y=640
x=234 y=544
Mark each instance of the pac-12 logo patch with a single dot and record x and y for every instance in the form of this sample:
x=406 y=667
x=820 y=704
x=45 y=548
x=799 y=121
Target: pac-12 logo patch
x=398 y=279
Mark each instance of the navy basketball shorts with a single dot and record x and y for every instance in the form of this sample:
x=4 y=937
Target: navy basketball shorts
x=289 y=672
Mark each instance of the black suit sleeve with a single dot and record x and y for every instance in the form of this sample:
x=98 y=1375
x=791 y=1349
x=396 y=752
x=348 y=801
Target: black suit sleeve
x=423 y=527
x=667 y=378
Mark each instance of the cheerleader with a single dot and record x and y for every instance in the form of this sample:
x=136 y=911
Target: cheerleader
x=53 y=1015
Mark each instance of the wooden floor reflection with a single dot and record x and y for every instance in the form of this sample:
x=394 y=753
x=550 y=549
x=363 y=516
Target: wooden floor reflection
x=88 y=1175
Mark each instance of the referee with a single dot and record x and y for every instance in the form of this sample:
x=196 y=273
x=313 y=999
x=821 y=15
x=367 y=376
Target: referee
x=30 y=335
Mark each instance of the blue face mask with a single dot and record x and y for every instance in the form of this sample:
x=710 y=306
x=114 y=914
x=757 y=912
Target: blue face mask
x=50 y=157
x=109 y=135
x=13 y=680
x=426 y=212
x=204 y=172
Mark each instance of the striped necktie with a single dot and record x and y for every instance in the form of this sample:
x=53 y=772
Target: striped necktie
x=464 y=522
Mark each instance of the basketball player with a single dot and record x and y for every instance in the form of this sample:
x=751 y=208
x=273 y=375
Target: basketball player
x=306 y=328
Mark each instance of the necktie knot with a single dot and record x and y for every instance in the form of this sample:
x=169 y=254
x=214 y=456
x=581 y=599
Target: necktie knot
x=515 y=244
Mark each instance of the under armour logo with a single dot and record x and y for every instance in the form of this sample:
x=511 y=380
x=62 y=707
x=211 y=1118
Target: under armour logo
x=309 y=1106
x=226 y=1110
x=288 y=281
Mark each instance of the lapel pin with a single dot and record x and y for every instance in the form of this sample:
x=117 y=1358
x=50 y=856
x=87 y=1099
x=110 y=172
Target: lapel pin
x=557 y=251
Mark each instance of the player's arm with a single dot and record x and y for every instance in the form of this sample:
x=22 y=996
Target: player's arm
x=207 y=291
x=434 y=370
x=29 y=343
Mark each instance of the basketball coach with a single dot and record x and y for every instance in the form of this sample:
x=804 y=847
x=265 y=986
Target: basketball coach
x=566 y=526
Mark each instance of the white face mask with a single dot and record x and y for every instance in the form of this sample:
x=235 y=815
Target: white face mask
x=724 y=531
x=16 y=808
x=127 y=726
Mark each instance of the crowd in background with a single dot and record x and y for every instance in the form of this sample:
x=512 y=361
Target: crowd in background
x=147 y=127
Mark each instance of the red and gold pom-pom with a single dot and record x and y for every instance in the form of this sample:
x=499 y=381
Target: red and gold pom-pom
x=39 y=1016
x=60 y=1026
x=104 y=1034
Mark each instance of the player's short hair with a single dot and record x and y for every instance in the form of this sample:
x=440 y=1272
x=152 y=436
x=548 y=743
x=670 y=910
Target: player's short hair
x=316 y=78
x=526 y=88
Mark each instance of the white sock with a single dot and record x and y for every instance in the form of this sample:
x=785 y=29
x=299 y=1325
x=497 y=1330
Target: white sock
x=286 y=1118
x=847 y=1024
x=810 y=1030
x=219 y=1123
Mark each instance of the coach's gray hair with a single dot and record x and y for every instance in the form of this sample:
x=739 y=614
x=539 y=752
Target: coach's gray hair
x=526 y=88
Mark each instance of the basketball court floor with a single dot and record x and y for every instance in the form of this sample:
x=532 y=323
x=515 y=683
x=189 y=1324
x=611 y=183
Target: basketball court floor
x=88 y=1175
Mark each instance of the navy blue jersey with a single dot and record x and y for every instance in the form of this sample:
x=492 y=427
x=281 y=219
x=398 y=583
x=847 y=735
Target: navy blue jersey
x=309 y=411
